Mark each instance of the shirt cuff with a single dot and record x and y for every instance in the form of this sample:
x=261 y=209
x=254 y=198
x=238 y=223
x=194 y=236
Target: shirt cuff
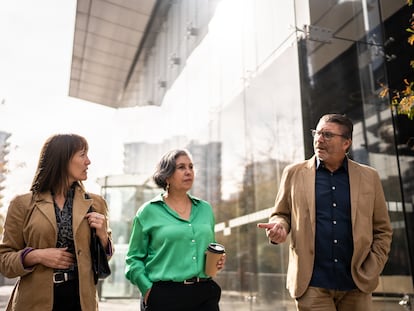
x=23 y=255
x=109 y=249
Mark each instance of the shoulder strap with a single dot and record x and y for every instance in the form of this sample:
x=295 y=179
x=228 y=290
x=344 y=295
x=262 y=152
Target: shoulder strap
x=87 y=196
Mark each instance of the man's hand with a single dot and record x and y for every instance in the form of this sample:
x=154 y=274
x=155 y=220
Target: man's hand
x=274 y=231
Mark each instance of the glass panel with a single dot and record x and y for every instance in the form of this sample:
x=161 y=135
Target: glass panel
x=123 y=203
x=232 y=106
x=243 y=103
x=398 y=53
x=252 y=164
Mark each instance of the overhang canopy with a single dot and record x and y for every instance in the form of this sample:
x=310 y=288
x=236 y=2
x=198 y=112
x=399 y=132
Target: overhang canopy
x=107 y=41
x=113 y=37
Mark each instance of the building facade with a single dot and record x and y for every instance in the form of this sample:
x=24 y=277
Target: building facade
x=248 y=79
x=4 y=151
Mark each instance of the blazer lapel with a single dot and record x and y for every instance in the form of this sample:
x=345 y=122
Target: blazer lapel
x=308 y=174
x=354 y=187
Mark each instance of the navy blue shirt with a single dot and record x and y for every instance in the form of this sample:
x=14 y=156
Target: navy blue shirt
x=333 y=239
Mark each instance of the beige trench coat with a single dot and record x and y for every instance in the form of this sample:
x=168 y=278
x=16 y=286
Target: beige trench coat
x=33 y=224
x=371 y=228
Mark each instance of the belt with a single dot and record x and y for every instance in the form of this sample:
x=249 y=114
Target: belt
x=193 y=280
x=60 y=277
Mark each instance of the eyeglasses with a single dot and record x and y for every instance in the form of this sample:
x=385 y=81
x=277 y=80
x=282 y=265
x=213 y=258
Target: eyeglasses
x=326 y=135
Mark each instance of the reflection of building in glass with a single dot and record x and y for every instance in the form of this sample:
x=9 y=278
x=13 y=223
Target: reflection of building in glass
x=207 y=158
x=124 y=194
x=263 y=178
x=127 y=192
x=142 y=157
x=249 y=79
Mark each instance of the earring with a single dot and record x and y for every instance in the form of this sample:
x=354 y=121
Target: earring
x=166 y=189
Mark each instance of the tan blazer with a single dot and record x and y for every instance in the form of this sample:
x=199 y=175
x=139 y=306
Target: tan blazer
x=33 y=224
x=371 y=228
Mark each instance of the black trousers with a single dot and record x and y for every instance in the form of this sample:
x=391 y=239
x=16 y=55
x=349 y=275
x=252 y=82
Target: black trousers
x=174 y=296
x=66 y=296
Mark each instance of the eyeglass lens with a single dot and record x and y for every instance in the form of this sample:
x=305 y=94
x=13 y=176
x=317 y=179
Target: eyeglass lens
x=325 y=135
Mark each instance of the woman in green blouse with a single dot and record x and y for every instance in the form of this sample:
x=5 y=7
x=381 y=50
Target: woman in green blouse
x=170 y=234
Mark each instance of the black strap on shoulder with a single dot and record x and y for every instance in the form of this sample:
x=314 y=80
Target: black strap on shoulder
x=87 y=196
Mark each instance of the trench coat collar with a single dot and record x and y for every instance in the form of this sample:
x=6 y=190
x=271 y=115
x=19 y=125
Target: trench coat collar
x=81 y=204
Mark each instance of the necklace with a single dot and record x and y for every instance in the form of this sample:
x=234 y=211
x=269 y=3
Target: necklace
x=180 y=211
x=183 y=210
x=175 y=206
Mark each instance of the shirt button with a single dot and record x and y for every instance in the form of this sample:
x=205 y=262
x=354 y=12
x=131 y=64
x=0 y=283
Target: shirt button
x=194 y=258
x=334 y=204
x=335 y=241
x=333 y=187
x=335 y=260
x=193 y=241
x=189 y=225
x=334 y=222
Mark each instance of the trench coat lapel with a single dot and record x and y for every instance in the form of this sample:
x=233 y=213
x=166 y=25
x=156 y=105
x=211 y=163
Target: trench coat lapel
x=80 y=208
x=44 y=202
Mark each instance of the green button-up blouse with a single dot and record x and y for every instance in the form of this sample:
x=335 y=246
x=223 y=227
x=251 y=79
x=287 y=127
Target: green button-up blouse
x=165 y=247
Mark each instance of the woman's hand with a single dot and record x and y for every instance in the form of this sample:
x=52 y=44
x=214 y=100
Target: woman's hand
x=221 y=262
x=146 y=296
x=98 y=221
x=56 y=258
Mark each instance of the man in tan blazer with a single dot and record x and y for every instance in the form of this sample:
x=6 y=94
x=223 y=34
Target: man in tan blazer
x=337 y=217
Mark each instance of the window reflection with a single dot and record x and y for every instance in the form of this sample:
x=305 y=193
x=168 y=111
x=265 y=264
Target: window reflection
x=242 y=100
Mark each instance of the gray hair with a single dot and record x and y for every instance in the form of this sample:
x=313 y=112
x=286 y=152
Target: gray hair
x=166 y=166
x=342 y=120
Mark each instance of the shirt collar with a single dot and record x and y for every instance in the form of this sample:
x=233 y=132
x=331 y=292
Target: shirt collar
x=319 y=164
x=159 y=198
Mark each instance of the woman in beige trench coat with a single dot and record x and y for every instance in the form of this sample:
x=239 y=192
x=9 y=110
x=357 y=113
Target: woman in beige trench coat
x=46 y=236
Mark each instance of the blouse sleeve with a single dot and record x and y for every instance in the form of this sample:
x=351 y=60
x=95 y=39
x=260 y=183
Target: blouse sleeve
x=137 y=252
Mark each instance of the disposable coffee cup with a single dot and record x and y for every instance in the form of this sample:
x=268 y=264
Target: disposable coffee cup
x=213 y=255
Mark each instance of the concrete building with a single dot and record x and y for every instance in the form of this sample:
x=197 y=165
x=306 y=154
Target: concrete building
x=4 y=150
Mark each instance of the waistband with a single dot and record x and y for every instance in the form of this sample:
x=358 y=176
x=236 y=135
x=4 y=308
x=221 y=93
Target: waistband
x=193 y=280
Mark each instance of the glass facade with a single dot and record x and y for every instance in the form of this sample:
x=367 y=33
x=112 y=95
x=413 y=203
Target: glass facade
x=240 y=83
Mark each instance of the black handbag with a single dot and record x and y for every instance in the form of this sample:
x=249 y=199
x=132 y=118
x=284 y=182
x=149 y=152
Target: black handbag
x=100 y=266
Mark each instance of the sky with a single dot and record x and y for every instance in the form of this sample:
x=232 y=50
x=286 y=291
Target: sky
x=36 y=39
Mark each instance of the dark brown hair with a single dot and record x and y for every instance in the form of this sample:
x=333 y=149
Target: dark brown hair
x=52 y=169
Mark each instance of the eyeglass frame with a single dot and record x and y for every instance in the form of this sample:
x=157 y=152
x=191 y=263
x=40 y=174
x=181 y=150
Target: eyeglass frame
x=326 y=134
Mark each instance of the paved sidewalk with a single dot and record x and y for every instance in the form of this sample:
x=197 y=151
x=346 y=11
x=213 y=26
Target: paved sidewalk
x=106 y=305
x=119 y=305
x=4 y=295
x=113 y=304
